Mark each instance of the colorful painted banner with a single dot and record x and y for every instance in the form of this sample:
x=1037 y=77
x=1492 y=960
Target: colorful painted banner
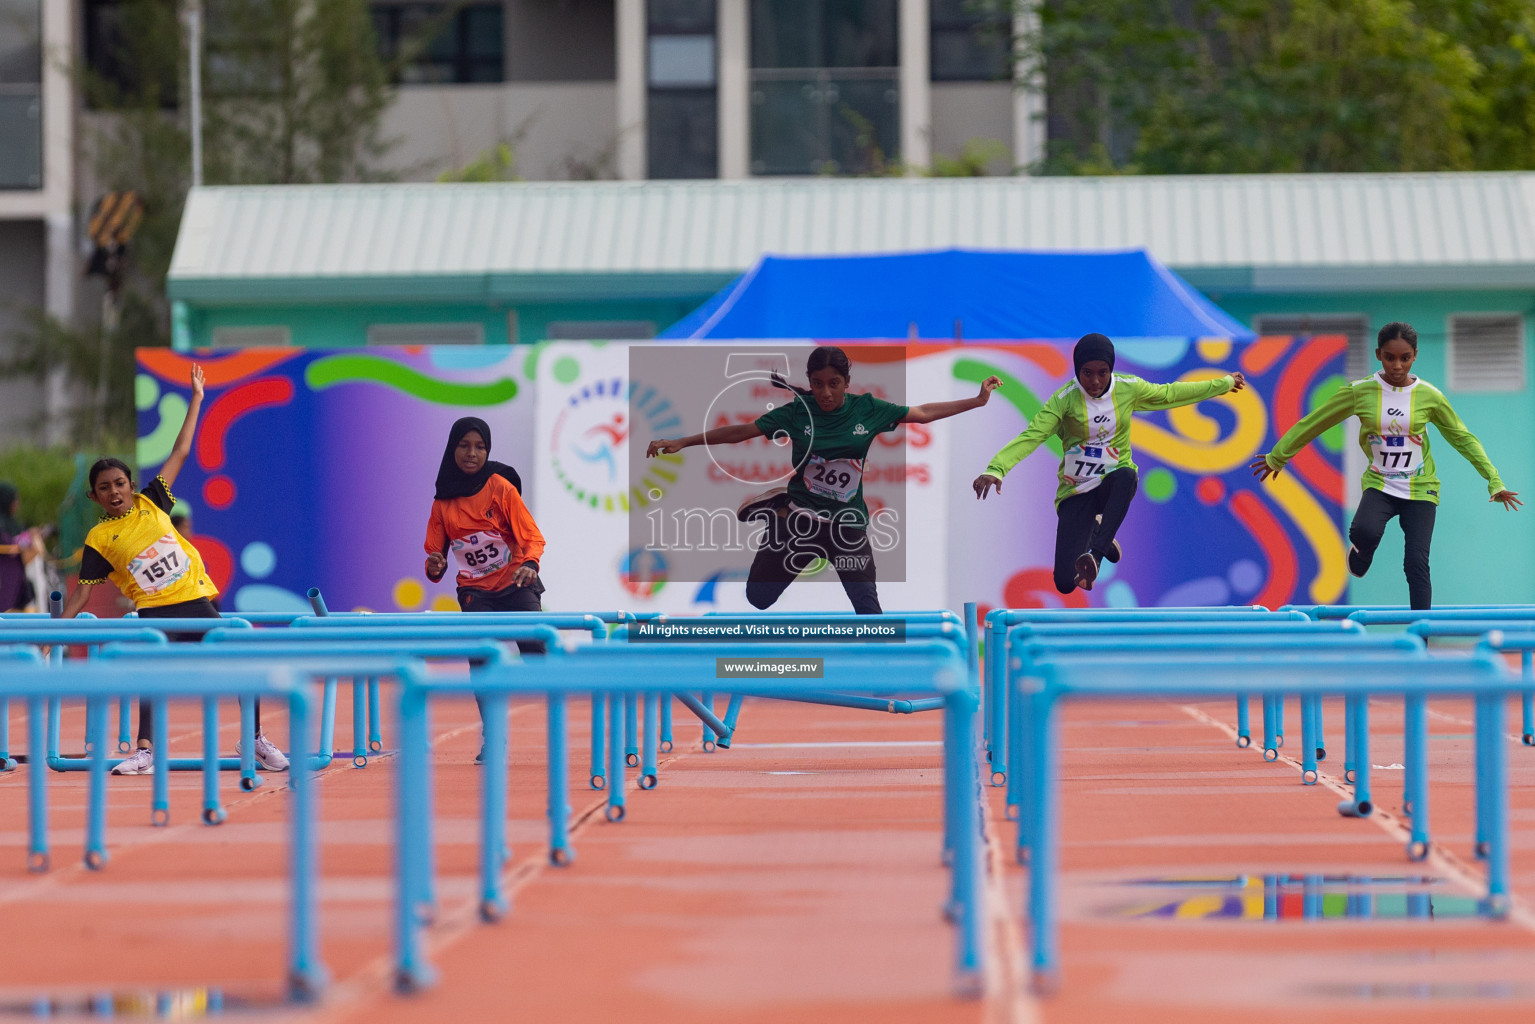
x=315 y=468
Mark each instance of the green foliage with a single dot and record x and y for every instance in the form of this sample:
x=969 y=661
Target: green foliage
x=1253 y=86
x=975 y=160
x=499 y=163
x=44 y=475
x=98 y=359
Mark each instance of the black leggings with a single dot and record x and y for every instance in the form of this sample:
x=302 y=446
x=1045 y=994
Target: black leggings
x=1077 y=529
x=201 y=608
x=509 y=599
x=1376 y=509
x=792 y=542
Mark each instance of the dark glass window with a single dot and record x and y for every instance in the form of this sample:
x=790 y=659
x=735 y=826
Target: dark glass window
x=442 y=44
x=971 y=41
x=682 y=125
x=21 y=108
x=683 y=133
x=123 y=66
x=818 y=122
x=824 y=34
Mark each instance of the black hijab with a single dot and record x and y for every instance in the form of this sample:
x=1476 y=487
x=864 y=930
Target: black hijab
x=453 y=482
x=1089 y=347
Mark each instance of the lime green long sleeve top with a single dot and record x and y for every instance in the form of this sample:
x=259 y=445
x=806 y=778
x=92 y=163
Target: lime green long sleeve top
x=1392 y=434
x=1095 y=432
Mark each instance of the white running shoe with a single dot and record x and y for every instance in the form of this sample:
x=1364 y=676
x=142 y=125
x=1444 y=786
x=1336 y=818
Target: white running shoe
x=140 y=762
x=267 y=754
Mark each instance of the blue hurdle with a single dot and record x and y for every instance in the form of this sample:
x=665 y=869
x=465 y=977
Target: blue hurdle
x=27 y=678
x=1480 y=677
x=936 y=667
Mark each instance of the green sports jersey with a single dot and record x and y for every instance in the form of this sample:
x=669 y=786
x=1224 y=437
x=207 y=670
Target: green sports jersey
x=1392 y=435
x=1095 y=432
x=829 y=449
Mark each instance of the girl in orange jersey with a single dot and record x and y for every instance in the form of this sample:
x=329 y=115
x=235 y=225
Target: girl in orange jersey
x=478 y=514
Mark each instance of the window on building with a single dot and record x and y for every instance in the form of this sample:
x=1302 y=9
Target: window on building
x=970 y=40
x=426 y=334
x=124 y=65
x=682 y=122
x=599 y=330
x=442 y=43
x=1486 y=352
x=825 y=96
x=252 y=337
x=1356 y=328
x=21 y=94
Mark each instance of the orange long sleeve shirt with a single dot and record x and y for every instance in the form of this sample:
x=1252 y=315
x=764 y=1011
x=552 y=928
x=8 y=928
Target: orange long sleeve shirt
x=488 y=535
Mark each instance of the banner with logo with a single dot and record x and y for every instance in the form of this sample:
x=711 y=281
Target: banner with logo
x=316 y=468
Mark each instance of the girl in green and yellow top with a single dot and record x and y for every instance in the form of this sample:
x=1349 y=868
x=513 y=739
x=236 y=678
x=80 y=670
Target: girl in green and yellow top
x=1394 y=408
x=1091 y=415
x=136 y=547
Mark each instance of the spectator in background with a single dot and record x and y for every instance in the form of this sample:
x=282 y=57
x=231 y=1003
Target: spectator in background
x=17 y=548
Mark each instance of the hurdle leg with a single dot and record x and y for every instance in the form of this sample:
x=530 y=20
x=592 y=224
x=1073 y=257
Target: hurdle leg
x=558 y=807
x=1527 y=698
x=1270 y=723
x=327 y=748
x=375 y=721
x=616 y=774
x=160 y=738
x=6 y=763
x=1015 y=743
x=631 y=730
x=360 y=722
x=1415 y=795
x=707 y=700
x=493 y=852
x=1308 y=774
x=666 y=723
x=1044 y=855
x=649 y=770
x=38 y=717
x=1484 y=738
x=964 y=794
x=599 y=741
x=1350 y=758
x=55 y=724
x=413 y=825
x=1492 y=800
x=993 y=675
x=1027 y=769
x=1278 y=720
x=1244 y=722
x=1321 y=730
x=306 y=971
x=124 y=726
x=248 y=778
x=1311 y=897
x=705 y=715
x=1361 y=805
x=733 y=711
x=213 y=810
x=96 y=800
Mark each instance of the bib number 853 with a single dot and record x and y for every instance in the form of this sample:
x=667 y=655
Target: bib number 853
x=481 y=556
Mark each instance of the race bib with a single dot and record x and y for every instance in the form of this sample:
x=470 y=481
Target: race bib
x=1087 y=463
x=1395 y=455
x=481 y=554
x=838 y=478
x=159 y=565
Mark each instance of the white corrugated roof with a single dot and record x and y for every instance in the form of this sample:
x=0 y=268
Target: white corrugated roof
x=1240 y=221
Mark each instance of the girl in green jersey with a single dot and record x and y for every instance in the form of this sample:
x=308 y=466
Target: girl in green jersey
x=821 y=514
x=1091 y=415
x=1394 y=408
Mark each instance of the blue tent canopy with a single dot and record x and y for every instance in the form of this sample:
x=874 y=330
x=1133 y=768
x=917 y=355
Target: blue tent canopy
x=994 y=295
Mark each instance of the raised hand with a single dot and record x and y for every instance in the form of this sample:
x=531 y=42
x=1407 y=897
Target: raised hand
x=197 y=381
x=1241 y=381
x=663 y=446
x=1261 y=468
x=989 y=385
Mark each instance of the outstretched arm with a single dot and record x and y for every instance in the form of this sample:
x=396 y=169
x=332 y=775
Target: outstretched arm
x=930 y=411
x=1329 y=414
x=1465 y=442
x=1186 y=392
x=183 y=447
x=733 y=433
x=1045 y=423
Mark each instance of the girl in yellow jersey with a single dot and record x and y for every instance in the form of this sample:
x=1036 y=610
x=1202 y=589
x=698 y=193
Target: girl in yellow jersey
x=136 y=547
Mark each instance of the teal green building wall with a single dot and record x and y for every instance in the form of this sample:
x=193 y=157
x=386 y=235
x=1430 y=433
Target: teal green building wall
x=1482 y=553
